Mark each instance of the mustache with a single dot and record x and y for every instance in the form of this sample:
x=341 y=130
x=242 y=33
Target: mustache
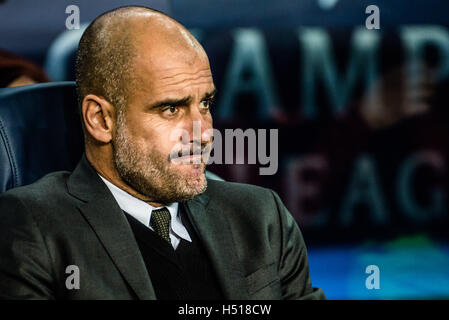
x=193 y=148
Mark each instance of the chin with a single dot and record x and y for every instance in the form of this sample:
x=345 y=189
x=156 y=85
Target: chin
x=197 y=176
x=191 y=188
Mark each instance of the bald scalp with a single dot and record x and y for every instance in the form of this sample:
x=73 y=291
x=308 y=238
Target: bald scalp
x=107 y=52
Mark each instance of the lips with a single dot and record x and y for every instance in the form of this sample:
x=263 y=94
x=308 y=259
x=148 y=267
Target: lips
x=193 y=154
x=188 y=159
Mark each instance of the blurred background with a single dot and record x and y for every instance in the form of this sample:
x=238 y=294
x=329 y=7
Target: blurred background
x=362 y=115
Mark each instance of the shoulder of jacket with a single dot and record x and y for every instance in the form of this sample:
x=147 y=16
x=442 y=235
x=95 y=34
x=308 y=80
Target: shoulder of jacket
x=43 y=190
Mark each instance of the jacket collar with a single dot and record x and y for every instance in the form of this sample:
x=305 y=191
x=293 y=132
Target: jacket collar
x=111 y=227
x=214 y=229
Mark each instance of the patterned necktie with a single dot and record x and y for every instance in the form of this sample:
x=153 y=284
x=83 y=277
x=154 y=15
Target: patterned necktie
x=160 y=222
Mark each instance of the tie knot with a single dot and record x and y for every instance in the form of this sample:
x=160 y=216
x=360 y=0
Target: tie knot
x=160 y=222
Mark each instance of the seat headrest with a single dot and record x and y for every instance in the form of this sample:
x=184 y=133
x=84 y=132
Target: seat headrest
x=40 y=132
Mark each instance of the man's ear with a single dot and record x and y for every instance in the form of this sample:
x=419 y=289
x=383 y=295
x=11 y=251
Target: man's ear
x=99 y=117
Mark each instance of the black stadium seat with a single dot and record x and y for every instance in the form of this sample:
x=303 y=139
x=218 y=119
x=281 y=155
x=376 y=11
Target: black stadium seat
x=40 y=132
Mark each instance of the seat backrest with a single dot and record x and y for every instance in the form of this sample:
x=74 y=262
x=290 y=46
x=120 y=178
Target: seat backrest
x=60 y=60
x=40 y=132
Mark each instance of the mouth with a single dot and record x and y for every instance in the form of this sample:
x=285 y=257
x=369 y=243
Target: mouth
x=193 y=155
x=189 y=159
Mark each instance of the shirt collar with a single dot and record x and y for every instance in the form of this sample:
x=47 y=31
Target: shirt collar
x=141 y=210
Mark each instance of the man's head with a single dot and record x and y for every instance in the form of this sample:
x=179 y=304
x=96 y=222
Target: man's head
x=143 y=82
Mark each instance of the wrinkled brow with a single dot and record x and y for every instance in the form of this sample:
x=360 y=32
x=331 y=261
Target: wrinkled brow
x=181 y=101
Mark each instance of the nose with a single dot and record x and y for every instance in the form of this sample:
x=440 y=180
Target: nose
x=199 y=126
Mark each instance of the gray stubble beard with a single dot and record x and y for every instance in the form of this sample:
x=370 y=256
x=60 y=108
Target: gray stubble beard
x=152 y=175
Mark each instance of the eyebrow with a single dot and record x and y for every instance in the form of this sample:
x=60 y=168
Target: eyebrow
x=210 y=95
x=182 y=101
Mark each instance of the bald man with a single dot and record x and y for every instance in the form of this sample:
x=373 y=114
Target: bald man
x=137 y=218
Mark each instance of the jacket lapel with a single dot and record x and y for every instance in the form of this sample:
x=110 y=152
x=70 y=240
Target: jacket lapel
x=214 y=230
x=110 y=225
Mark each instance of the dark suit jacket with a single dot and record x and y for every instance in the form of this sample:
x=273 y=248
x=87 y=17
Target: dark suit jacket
x=65 y=219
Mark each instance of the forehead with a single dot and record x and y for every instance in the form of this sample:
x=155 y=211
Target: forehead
x=173 y=73
x=168 y=60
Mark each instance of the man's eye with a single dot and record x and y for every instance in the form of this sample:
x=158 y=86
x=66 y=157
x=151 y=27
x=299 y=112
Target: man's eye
x=170 y=110
x=205 y=104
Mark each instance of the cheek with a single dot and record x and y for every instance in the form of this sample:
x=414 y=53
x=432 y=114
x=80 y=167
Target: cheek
x=208 y=121
x=158 y=138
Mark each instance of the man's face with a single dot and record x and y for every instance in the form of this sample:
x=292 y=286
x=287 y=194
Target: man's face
x=171 y=95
